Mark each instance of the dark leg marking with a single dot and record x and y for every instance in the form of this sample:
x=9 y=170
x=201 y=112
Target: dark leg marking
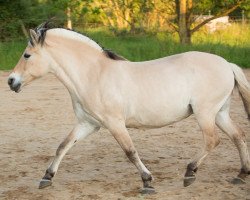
x=48 y=175
x=131 y=155
x=241 y=178
x=191 y=169
x=190 y=174
x=147 y=188
x=146 y=178
x=243 y=171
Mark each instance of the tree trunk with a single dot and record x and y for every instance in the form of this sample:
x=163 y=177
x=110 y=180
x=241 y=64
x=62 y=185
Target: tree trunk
x=184 y=17
x=185 y=37
x=24 y=29
x=184 y=30
x=69 y=22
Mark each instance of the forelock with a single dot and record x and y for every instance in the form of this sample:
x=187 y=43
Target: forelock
x=41 y=33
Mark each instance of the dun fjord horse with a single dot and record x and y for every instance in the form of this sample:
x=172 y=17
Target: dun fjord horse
x=111 y=92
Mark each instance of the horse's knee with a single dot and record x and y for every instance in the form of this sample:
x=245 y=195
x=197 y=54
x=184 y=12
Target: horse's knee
x=239 y=136
x=212 y=141
x=216 y=141
x=131 y=154
x=61 y=147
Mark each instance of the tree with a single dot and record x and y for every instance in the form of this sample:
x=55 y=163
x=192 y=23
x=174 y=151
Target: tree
x=188 y=10
x=18 y=15
x=132 y=15
x=125 y=14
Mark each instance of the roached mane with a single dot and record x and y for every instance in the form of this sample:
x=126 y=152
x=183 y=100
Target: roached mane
x=44 y=27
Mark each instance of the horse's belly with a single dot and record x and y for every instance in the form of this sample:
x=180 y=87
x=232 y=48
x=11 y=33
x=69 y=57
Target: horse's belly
x=147 y=119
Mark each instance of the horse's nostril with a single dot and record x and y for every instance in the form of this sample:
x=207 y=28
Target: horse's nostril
x=10 y=81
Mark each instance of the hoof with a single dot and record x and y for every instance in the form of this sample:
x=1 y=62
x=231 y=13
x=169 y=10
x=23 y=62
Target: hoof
x=147 y=190
x=237 y=181
x=45 y=183
x=188 y=180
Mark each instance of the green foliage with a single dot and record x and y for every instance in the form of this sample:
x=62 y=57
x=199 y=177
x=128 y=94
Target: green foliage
x=231 y=43
x=17 y=13
x=10 y=52
x=122 y=16
x=9 y=18
x=215 y=6
x=125 y=14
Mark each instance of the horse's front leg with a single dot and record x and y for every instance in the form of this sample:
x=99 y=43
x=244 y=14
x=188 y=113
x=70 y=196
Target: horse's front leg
x=120 y=133
x=79 y=132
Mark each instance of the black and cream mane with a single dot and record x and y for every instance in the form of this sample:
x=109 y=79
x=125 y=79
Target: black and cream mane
x=44 y=27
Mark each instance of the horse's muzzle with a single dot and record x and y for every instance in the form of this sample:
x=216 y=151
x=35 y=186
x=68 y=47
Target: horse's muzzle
x=14 y=85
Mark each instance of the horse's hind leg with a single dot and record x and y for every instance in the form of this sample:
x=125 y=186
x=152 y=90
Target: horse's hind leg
x=226 y=124
x=211 y=139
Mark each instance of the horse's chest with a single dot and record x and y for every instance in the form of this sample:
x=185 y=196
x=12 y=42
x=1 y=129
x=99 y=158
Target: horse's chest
x=82 y=115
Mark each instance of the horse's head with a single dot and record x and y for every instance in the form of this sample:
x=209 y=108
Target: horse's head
x=64 y=45
x=34 y=63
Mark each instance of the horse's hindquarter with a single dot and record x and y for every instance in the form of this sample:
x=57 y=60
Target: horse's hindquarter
x=213 y=82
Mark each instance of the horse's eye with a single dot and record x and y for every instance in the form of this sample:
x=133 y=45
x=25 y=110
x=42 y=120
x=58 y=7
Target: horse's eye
x=26 y=56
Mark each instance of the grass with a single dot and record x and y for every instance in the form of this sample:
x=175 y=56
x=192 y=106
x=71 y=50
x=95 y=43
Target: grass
x=10 y=53
x=232 y=43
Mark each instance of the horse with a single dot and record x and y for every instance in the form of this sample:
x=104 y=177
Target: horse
x=114 y=93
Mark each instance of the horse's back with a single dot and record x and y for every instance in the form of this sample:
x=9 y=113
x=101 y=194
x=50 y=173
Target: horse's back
x=180 y=74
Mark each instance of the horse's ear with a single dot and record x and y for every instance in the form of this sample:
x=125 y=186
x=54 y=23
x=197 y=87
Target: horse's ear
x=34 y=37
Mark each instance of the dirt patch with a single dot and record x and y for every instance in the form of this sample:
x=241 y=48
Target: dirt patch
x=35 y=121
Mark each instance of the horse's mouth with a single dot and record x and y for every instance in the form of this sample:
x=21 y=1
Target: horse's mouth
x=16 y=88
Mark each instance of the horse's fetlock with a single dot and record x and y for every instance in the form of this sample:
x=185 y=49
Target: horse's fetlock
x=49 y=174
x=146 y=177
x=244 y=171
x=191 y=169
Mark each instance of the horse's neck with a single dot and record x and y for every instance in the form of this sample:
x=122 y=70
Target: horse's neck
x=75 y=69
x=64 y=77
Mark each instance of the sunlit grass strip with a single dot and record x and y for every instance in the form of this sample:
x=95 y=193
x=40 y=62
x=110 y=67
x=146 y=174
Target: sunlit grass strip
x=232 y=43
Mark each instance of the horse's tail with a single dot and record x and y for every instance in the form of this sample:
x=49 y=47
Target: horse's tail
x=243 y=87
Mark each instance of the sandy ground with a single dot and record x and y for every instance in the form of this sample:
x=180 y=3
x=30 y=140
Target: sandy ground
x=35 y=121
